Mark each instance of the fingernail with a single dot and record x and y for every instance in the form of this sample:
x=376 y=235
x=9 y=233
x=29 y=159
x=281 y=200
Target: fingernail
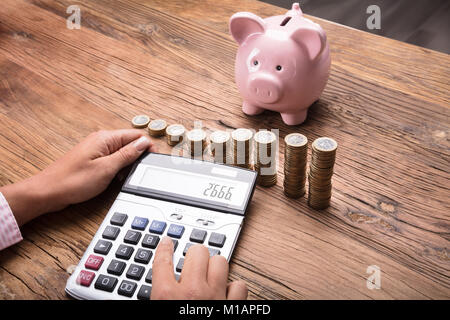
x=142 y=143
x=166 y=240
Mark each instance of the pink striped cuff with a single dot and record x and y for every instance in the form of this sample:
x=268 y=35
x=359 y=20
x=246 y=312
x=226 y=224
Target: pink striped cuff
x=9 y=230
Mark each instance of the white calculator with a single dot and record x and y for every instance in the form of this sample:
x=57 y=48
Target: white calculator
x=191 y=201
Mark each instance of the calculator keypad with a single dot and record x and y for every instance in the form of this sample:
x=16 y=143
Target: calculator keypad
x=103 y=247
x=139 y=242
x=106 y=283
x=132 y=237
x=158 y=227
x=124 y=252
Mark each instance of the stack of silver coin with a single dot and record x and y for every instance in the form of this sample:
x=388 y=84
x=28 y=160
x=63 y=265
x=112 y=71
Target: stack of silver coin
x=242 y=146
x=295 y=161
x=220 y=143
x=323 y=156
x=265 y=158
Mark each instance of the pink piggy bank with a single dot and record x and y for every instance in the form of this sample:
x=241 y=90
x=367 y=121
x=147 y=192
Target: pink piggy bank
x=282 y=63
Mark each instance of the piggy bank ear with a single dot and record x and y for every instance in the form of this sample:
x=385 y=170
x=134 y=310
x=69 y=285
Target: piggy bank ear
x=312 y=38
x=244 y=24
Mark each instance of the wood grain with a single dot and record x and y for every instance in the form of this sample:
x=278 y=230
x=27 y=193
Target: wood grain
x=386 y=103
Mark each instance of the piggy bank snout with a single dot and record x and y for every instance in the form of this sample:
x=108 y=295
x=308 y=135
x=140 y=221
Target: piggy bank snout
x=265 y=88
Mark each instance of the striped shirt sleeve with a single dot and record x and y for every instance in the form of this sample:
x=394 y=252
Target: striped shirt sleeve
x=9 y=230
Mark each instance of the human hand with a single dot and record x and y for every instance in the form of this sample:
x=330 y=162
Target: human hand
x=202 y=277
x=81 y=174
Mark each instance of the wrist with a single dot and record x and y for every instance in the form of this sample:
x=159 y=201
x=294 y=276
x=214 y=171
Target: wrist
x=28 y=199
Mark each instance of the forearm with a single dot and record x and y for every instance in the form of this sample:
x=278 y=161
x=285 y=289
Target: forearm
x=28 y=199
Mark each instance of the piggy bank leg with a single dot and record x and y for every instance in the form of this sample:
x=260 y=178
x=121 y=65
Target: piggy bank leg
x=250 y=109
x=294 y=118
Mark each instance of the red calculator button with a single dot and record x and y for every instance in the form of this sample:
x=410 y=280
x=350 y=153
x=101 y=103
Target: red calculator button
x=85 y=278
x=93 y=262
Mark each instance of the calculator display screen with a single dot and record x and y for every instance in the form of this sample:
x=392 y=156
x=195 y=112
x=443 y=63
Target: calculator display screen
x=195 y=185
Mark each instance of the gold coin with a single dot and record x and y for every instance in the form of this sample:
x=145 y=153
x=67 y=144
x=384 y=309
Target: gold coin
x=140 y=121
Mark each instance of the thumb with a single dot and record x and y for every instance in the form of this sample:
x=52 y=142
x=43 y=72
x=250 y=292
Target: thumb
x=129 y=153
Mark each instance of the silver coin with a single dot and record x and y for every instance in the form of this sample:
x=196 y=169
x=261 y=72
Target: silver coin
x=196 y=135
x=325 y=144
x=219 y=136
x=175 y=129
x=265 y=137
x=296 y=139
x=140 y=120
x=242 y=134
x=157 y=124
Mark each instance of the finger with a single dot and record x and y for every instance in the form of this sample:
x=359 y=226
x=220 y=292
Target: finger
x=116 y=139
x=237 y=290
x=218 y=273
x=195 y=265
x=128 y=154
x=163 y=272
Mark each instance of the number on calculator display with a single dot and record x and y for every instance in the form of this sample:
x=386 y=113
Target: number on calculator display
x=218 y=191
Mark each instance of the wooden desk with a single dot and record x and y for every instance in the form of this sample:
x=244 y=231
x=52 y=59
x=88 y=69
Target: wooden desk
x=386 y=103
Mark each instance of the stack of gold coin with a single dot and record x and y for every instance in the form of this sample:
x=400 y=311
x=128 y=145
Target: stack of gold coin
x=196 y=139
x=175 y=134
x=140 y=121
x=242 y=143
x=265 y=158
x=320 y=172
x=157 y=127
x=295 y=159
x=221 y=146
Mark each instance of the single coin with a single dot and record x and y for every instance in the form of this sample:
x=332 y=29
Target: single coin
x=175 y=134
x=219 y=137
x=325 y=144
x=157 y=127
x=196 y=135
x=140 y=121
x=295 y=140
x=242 y=134
x=265 y=137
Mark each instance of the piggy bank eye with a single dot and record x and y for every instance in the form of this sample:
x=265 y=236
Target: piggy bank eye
x=279 y=68
x=255 y=62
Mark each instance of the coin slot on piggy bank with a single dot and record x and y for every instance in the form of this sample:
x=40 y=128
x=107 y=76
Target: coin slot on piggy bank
x=282 y=63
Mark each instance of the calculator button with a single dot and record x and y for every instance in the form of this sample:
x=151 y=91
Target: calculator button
x=177 y=276
x=119 y=219
x=132 y=237
x=105 y=283
x=158 y=227
x=148 y=277
x=85 y=278
x=216 y=239
x=143 y=256
x=198 y=235
x=111 y=233
x=150 y=241
x=127 y=288
x=93 y=262
x=175 y=244
x=213 y=252
x=135 y=272
x=188 y=245
x=124 y=252
x=116 y=267
x=139 y=223
x=175 y=231
x=102 y=247
x=144 y=292
x=180 y=265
